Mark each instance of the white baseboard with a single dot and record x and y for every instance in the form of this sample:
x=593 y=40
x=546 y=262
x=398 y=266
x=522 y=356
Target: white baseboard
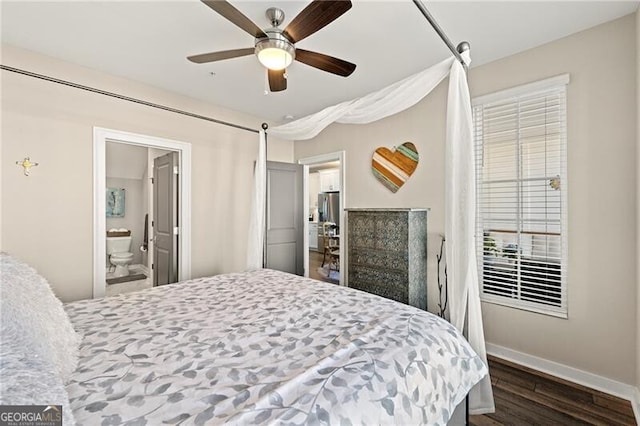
x=635 y=403
x=603 y=384
x=144 y=269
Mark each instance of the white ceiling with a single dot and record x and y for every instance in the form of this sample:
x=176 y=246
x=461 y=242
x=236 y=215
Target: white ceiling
x=148 y=41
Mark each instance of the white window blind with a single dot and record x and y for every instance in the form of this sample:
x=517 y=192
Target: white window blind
x=520 y=139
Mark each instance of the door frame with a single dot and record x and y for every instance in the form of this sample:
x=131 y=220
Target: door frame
x=100 y=138
x=315 y=160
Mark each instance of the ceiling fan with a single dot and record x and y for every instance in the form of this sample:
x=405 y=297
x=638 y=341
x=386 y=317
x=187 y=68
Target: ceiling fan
x=274 y=47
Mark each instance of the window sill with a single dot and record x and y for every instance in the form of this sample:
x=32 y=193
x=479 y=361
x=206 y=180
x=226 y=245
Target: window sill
x=524 y=306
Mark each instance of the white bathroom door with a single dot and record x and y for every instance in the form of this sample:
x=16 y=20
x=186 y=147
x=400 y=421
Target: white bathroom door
x=285 y=226
x=165 y=219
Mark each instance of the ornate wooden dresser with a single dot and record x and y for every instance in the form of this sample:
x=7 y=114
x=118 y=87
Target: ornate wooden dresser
x=387 y=253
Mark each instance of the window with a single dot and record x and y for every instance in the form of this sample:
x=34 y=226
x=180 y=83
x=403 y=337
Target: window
x=520 y=140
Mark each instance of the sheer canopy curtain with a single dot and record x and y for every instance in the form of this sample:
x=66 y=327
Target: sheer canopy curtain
x=255 y=243
x=464 y=294
x=372 y=107
x=460 y=228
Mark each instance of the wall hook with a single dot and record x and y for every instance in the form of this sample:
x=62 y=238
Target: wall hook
x=26 y=164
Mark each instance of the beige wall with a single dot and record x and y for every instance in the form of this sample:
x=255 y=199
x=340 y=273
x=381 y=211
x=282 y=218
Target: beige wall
x=638 y=200
x=313 y=188
x=424 y=125
x=599 y=336
x=48 y=217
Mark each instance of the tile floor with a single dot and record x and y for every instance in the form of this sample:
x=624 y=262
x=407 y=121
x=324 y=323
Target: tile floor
x=129 y=286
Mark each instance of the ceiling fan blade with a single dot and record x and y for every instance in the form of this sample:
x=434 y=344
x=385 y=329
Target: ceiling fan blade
x=218 y=56
x=232 y=14
x=325 y=62
x=314 y=17
x=277 y=81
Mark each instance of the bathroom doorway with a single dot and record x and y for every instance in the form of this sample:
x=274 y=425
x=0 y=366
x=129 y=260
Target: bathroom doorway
x=325 y=195
x=127 y=220
x=127 y=189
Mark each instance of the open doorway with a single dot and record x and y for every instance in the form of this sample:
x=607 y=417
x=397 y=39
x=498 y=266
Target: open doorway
x=142 y=237
x=324 y=209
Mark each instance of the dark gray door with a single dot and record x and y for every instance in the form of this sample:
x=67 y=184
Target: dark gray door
x=165 y=219
x=285 y=225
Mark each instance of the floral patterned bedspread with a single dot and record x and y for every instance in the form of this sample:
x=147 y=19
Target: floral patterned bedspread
x=265 y=347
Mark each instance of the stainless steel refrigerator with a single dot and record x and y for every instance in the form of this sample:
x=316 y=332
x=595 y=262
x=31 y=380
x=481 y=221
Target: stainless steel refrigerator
x=328 y=211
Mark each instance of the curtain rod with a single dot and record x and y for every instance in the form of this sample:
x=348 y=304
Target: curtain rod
x=124 y=98
x=462 y=47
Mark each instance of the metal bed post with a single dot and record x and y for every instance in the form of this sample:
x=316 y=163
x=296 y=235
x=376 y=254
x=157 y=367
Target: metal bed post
x=464 y=46
x=457 y=52
x=265 y=126
x=124 y=98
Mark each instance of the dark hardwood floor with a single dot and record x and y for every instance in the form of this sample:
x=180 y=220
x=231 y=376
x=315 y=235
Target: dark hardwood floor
x=315 y=262
x=528 y=397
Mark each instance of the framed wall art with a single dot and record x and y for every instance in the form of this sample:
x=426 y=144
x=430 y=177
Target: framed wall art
x=115 y=202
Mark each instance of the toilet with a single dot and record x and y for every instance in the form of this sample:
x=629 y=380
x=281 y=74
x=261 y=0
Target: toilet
x=119 y=254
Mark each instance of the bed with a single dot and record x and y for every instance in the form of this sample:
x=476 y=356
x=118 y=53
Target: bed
x=262 y=347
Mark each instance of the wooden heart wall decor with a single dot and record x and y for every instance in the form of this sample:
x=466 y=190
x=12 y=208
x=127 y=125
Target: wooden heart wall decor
x=394 y=168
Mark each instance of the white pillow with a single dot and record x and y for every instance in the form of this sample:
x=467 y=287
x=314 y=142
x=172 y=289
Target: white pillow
x=27 y=298
x=26 y=378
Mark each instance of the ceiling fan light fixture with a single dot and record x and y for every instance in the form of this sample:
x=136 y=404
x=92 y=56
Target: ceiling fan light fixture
x=275 y=47
x=275 y=54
